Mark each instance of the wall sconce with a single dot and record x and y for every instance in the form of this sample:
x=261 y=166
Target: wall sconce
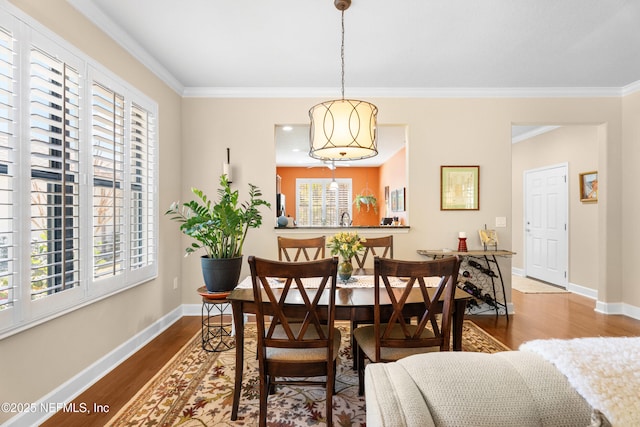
x=226 y=167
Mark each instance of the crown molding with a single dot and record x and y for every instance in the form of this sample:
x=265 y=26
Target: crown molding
x=400 y=92
x=631 y=88
x=538 y=131
x=102 y=21
x=106 y=24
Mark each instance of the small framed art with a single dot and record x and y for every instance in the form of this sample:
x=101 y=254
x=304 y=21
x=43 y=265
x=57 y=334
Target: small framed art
x=589 y=187
x=459 y=188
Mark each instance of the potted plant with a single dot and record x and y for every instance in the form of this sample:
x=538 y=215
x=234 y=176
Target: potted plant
x=220 y=228
x=368 y=200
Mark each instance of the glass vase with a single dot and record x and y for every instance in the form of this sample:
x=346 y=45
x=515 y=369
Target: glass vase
x=345 y=269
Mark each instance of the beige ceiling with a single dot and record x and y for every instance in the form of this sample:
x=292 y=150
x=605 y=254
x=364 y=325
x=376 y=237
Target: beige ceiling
x=393 y=48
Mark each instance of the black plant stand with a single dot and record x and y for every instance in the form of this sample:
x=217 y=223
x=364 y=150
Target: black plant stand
x=216 y=332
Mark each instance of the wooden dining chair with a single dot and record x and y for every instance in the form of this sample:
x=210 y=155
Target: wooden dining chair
x=375 y=246
x=294 y=250
x=392 y=336
x=300 y=341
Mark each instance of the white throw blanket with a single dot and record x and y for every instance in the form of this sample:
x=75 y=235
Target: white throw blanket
x=605 y=371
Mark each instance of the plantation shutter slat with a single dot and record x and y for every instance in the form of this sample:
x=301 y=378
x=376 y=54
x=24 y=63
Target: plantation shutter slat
x=142 y=238
x=7 y=141
x=55 y=186
x=107 y=109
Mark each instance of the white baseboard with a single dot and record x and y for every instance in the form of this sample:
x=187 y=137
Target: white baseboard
x=68 y=391
x=618 y=308
x=582 y=290
x=517 y=271
x=601 y=307
x=196 y=310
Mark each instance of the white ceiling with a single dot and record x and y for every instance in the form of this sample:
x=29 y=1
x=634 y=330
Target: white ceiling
x=393 y=48
x=408 y=48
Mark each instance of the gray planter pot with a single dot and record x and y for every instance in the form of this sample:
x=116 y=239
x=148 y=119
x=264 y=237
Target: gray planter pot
x=221 y=274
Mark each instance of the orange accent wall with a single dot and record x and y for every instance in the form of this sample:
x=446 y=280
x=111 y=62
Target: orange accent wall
x=362 y=177
x=394 y=174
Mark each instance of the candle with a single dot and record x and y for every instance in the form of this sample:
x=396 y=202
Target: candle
x=462 y=235
x=226 y=170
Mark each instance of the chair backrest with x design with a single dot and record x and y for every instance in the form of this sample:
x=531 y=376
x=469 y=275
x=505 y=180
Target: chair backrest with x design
x=313 y=314
x=376 y=246
x=394 y=331
x=294 y=250
x=300 y=344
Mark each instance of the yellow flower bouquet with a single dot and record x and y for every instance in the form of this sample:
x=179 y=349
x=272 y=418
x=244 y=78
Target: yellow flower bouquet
x=346 y=244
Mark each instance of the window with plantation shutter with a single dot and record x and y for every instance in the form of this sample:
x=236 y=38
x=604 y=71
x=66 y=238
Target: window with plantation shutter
x=55 y=182
x=108 y=181
x=318 y=205
x=78 y=195
x=142 y=235
x=7 y=168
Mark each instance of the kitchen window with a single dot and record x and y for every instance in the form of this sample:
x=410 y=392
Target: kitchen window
x=317 y=205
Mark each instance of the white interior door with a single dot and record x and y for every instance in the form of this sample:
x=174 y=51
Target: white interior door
x=546 y=228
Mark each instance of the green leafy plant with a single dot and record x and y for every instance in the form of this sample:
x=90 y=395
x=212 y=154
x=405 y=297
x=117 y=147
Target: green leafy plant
x=367 y=201
x=220 y=228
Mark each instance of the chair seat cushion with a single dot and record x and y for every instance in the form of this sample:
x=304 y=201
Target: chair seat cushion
x=366 y=339
x=303 y=354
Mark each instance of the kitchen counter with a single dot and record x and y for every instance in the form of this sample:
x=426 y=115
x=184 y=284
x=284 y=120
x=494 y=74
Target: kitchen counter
x=386 y=229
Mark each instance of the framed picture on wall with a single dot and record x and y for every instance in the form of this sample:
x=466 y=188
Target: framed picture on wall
x=459 y=188
x=394 y=201
x=398 y=200
x=387 y=201
x=589 y=187
x=400 y=194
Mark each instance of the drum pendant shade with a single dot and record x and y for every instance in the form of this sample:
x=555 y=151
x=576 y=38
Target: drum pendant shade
x=343 y=129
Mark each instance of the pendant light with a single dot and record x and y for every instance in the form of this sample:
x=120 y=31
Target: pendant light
x=334 y=185
x=343 y=129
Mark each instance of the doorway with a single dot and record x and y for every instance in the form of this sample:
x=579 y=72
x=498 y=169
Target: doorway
x=536 y=148
x=546 y=224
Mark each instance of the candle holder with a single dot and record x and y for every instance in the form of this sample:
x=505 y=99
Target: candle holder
x=462 y=244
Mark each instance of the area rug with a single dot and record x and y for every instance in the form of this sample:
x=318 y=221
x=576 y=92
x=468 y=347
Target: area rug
x=531 y=286
x=195 y=388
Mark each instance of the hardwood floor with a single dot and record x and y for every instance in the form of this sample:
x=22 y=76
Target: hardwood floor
x=537 y=316
x=117 y=387
x=542 y=316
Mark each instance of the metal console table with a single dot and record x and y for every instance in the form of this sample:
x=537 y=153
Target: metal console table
x=216 y=332
x=483 y=279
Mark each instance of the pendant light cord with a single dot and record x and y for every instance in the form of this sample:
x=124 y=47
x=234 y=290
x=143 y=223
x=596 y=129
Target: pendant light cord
x=342 y=54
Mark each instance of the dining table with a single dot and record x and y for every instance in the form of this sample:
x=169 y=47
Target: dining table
x=354 y=302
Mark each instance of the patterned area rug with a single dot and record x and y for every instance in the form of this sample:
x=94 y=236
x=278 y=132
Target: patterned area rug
x=195 y=388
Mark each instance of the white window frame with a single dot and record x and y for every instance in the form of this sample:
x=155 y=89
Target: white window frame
x=342 y=182
x=24 y=312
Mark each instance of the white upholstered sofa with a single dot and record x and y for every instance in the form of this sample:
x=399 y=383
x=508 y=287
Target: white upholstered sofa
x=545 y=383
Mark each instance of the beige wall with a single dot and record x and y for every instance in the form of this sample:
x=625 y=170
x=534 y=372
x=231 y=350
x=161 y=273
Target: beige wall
x=577 y=146
x=631 y=201
x=393 y=174
x=44 y=357
x=440 y=132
